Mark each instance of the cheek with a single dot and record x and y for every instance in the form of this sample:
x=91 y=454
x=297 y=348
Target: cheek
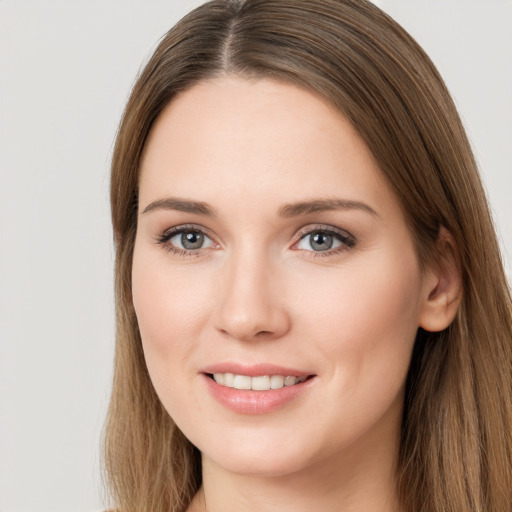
x=367 y=317
x=170 y=315
x=168 y=299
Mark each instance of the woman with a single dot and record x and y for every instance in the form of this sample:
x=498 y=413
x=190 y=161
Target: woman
x=312 y=312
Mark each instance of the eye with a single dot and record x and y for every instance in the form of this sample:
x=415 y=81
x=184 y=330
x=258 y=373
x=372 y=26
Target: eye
x=184 y=240
x=190 y=240
x=324 y=240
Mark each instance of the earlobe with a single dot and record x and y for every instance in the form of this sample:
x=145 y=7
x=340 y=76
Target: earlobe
x=442 y=286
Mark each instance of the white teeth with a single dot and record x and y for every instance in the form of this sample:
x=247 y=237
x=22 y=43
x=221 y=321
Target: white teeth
x=228 y=379
x=259 y=383
x=276 y=382
x=289 y=381
x=242 y=382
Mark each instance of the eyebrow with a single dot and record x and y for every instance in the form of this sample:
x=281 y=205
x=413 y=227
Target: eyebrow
x=289 y=210
x=182 y=205
x=324 y=205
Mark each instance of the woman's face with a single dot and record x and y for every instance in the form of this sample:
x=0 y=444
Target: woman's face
x=271 y=252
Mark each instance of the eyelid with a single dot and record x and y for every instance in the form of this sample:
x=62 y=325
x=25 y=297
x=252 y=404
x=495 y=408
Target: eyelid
x=311 y=228
x=174 y=230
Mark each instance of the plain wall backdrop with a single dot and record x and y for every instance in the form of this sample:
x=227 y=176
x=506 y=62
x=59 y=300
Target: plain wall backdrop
x=66 y=69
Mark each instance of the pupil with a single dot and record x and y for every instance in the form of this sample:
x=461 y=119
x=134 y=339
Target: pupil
x=321 y=242
x=192 y=240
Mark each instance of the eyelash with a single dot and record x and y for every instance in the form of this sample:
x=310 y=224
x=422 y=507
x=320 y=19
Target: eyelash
x=346 y=240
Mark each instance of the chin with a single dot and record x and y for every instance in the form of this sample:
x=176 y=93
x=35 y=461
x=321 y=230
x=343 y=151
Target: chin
x=260 y=467
x=276 y=459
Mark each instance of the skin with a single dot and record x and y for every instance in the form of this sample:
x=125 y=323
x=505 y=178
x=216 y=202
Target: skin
x=257 y=292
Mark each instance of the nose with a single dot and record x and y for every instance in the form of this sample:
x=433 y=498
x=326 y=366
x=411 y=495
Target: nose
x=252 y=301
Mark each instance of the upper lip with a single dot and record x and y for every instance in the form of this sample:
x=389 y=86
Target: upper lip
x=254 y=370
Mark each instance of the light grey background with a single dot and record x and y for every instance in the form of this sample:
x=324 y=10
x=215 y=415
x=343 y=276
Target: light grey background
x=66 y=68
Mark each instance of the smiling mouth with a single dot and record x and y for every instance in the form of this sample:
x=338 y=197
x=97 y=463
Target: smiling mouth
x=258 y=383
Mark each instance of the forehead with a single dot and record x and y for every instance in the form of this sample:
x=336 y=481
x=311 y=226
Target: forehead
x=246 y=138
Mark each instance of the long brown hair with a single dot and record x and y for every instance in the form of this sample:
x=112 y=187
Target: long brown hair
x=456 y=439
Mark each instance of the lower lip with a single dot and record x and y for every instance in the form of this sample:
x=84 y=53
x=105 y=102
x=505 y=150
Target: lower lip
x=256 y=402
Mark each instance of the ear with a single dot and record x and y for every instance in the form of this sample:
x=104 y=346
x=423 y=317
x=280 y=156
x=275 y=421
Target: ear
x=442 y=285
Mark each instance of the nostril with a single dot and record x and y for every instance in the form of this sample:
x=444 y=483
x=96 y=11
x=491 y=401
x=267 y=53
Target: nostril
x=262 y=334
